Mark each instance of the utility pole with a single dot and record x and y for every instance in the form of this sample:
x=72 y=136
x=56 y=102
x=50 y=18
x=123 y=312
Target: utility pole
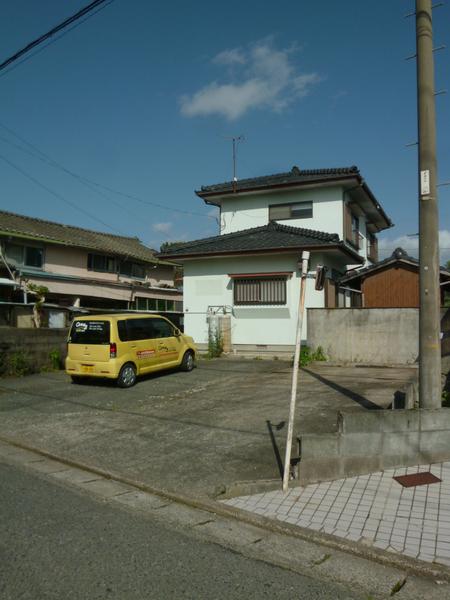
x=429 y=314
x=298 y=343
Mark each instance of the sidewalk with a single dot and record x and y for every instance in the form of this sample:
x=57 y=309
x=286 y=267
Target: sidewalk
x=374 y=510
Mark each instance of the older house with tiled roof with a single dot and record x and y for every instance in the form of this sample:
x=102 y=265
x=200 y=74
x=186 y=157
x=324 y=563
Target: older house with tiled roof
x=389 y=283
x=83 y=270
x=249 y=272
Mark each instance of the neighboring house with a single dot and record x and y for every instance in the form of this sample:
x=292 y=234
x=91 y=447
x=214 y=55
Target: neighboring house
x=390 y=283
x=250 y=271
x=83 y=270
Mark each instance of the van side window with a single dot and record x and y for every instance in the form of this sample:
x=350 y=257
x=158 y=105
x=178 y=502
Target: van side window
x=122 y=329
x=139 y=329
x=161 y=328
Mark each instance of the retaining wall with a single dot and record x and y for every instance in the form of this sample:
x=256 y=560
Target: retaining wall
x=33 y=344
x=373 y=441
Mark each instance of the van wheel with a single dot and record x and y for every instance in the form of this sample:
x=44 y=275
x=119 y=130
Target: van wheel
x=188 y=362
x=127 y=376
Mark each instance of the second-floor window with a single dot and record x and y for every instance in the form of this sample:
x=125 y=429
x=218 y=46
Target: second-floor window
x=109 y=264
x=352 y=234
x=26 y=256
x=372 y=247
x=131 y=269
x=102 y=263
x=299 y=210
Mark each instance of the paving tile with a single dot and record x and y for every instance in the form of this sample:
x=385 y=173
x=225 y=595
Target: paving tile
x=414 y=521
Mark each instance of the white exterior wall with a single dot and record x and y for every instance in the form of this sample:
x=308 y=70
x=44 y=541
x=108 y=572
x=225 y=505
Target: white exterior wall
x=206 y=283
x=244 y=212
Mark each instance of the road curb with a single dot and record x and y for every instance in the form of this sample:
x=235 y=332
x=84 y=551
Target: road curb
x=410 y=565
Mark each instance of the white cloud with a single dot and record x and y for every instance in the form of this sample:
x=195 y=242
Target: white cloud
x=261 y=77
x=162 y=227
x=411 y=245
x=230 y=57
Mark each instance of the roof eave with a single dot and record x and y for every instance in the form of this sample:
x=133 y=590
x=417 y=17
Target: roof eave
x=206 y=196
x=376 y=267
x=92 y=247
x=285 y=250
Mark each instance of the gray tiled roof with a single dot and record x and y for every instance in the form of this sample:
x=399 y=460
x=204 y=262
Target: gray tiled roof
x=295 y=175
x=399 y=255
x=269 y=237
x=67 y=235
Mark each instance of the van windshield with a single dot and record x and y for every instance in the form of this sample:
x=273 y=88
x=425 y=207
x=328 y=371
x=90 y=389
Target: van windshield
x=89 y=332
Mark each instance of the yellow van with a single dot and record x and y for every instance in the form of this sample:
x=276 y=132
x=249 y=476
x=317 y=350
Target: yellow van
x=123 y=346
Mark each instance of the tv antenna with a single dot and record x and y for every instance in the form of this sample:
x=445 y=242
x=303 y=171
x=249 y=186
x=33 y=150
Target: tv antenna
x=235 y=141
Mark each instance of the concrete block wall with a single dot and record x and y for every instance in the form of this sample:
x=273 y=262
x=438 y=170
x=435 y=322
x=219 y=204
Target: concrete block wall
x=35 y=344
x=375 y=440
x=373 y=336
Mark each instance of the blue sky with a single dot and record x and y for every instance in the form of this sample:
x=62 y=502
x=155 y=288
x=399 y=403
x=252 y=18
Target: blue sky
x=142 y=97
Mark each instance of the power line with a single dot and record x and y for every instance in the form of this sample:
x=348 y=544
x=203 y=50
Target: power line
x=94 y=185
x=59 y=196
x=64 y=33
x=45 y=36
x=51 y=163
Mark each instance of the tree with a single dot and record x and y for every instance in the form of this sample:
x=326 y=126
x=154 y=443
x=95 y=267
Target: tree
x=166 y=246
x=40 y=291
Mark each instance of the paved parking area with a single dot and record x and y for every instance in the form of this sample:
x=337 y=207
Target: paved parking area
x=194 y=433
x=373 y=509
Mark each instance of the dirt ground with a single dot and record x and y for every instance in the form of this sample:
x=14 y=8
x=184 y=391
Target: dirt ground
x=195 y=433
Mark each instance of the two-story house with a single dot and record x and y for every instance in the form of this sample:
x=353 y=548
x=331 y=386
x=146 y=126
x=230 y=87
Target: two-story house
x=251 y=270
x=82 y=270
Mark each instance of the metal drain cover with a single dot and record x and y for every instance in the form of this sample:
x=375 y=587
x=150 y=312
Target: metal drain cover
x=417 y=479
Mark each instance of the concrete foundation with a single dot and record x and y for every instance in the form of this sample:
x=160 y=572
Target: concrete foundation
x=375 y=440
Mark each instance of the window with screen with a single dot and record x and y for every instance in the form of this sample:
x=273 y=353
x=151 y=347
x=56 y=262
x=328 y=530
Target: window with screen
x=28 y=256
x=260 y=291
x=102 y=263
x=132 y=270
x=299 y=210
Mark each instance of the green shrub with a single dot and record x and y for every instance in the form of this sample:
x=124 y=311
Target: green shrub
x=55 y=359
x=446 y=399
x=215 y=344
x=319 y=354
x=18 y=364
x=305 y=356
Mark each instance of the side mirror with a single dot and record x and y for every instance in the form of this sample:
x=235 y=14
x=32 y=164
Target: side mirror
x=176 y=332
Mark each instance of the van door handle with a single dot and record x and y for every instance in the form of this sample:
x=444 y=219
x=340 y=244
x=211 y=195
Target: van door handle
x=133 y=345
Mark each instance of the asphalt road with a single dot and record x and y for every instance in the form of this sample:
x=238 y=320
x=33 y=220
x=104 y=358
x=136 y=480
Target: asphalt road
x=58 y=543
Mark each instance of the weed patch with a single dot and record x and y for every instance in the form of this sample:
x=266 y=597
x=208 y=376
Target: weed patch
x=308 y=356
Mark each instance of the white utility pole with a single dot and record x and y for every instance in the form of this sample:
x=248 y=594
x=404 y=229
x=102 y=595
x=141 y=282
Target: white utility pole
x=298 y=342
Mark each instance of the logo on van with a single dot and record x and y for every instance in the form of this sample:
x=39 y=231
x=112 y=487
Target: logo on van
x=145 y=353
x=81 y=326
